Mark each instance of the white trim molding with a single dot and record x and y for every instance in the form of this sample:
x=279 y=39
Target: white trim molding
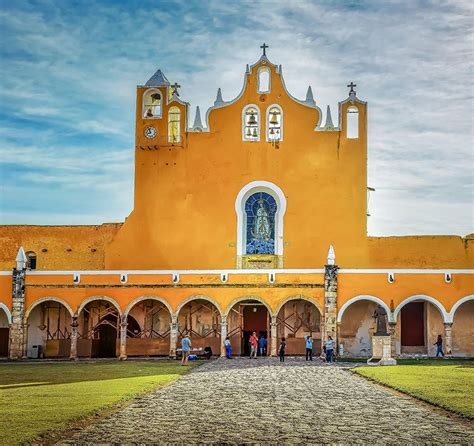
x=457 y=305
x=97 y=298
x=48 y=299
x=7 y=312
x=267 y=70
x=435 y=302
x=267 y=122
x=147 y=297
x=248 y=190
x=244 y=123
x=368 y=297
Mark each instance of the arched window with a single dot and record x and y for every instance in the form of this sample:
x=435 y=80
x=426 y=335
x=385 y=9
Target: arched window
x=174 y=117
x=260 y=211
x=152 y=104
x=263 y=80
x=274 y=123
x=31 y=260
x=251 y=123
x=352 y=123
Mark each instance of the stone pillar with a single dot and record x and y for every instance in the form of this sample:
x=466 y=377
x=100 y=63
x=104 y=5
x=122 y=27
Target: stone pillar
x=338 y=339
x=223 y=334
x=123 y=337
x=330 y=303
x=74 y=335
x=18 y=328
x=392 y=329
x=173 y=336
x=448 y=338
x=273 y=335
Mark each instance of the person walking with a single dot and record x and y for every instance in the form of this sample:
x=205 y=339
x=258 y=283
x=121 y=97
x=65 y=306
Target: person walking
x=185 y=349
x=253 y=345
x=228 y=348
x=309 y=347
x=282 y=349
x=329 y=344
x=262 y=345
x=439 y=346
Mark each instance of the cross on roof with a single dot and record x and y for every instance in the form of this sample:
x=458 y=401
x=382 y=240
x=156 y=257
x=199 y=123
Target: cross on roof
x=264 y=47
x=175 y=87
x=352 y=85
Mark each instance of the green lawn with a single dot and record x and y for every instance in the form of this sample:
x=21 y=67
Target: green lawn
x=39 y=398
x=446 y=383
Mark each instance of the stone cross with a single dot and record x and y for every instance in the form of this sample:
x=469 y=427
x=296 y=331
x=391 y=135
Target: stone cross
x=175 y=87
x=352 y=85
x=264 y=47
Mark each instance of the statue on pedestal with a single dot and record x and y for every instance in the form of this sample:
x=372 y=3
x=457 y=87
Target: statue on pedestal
x=380 y=315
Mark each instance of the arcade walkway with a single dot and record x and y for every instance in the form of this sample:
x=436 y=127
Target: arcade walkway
x=260 y=401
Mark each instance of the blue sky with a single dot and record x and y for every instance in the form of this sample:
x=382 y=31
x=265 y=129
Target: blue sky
x=70 y=69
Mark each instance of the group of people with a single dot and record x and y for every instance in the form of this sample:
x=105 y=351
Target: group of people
x=259 y=345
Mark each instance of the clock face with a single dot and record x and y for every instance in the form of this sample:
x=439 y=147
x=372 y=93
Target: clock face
x=150 y=132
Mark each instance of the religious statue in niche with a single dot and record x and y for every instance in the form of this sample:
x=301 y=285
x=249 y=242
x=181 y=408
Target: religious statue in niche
x=380 y=315
x=260 y=209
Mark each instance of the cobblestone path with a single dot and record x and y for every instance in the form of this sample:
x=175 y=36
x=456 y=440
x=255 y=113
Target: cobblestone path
x=262 y=402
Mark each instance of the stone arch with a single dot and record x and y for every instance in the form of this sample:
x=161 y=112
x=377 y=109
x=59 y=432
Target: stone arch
x=298 y=297
x=241 y=199
x=436 y=303
x=7 y=312
x=147 y=297
x=377 y=300
x=94 y=298
x=48 y=299
x=457 y=305
x=243 y=299
x=198 y=297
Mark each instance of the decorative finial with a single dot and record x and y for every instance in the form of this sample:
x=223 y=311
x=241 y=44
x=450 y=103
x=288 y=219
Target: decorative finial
x=331 y=255
x=197 y=120
x=329 y=124
x=175 y=87
x=247 y=69
x=352 y=92
x=218 y=100
x=264 y=47
x=309 y=97
x=21 y=259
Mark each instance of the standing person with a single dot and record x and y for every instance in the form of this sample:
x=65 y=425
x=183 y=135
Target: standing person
x=262 y=345
x=439 y=346
x=253 y=345
x=185 y=349
x=282 y=349
x=329 y=344
x=309 y=347
x=228 y=348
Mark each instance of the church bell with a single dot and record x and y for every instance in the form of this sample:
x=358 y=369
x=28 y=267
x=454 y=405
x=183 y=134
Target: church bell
x=252 y=120
x=254 y=134
x=274 y=118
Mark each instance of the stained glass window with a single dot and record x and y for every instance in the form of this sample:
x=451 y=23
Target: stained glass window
x=261 y=210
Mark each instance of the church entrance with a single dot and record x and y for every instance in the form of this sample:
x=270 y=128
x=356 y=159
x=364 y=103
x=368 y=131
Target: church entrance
x=245 y=318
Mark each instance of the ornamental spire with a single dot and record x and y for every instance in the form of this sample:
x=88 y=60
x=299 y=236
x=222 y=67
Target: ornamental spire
x=21 y=259
x=197 y=120
x=309 y=97
x=218 y=100
x=329 y=124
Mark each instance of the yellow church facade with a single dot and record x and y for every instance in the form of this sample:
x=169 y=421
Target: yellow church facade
x=255 y=220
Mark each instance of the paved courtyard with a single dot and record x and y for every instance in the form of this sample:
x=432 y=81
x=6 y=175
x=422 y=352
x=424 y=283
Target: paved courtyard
x=263 y=402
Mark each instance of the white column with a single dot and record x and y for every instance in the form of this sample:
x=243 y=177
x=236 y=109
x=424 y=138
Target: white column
x=448 y=338
x=223 y=334
x=273 y=336
x=173 y=336
x=123 y=337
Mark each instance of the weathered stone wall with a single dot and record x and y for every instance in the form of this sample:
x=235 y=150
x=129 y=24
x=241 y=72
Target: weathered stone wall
x=57 y=247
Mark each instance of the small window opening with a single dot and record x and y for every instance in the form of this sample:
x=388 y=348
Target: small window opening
x=264 y=80
x=174 y=117
x=274 y=124
x=352 y=123
x=31 y=260
x=152 y=104
x=251 y=124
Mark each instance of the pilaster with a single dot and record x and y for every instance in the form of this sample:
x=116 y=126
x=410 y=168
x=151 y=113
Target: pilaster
x=173 y=336
x=17 y=328
x=123 y=337
x=74 y=335
x=392 y=329
x=223 y=334
x=330 y=303
x=448 y=338
x=273 y=336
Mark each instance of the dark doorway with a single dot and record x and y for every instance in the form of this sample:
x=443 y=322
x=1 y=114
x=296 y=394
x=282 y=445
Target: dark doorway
x=255 y=319
x=4 y=337
x=413 y=324
x=105 y=346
